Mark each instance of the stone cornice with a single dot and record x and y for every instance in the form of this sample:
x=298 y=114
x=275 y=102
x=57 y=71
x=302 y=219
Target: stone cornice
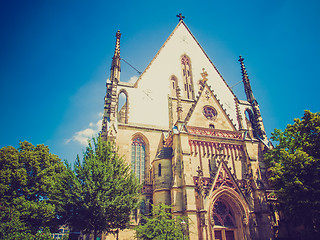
x=142 y=126
x=215 y=133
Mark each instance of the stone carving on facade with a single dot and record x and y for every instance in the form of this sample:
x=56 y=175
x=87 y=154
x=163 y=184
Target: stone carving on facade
x=203 y=184
x=215 y=132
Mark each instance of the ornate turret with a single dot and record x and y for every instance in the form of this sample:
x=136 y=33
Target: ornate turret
x=110 y=104
x=179 y=105
x=257 y=122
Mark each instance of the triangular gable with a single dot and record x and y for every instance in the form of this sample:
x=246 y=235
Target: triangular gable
x=152 y=88
x=181 y=23
x=224 y=179
x=200 y=115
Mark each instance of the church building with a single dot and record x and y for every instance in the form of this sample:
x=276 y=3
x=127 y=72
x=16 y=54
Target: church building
x=191 y=142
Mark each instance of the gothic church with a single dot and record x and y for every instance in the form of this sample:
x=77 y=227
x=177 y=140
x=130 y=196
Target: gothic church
x=191 y=142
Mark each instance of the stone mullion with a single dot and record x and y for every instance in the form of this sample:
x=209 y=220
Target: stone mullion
x=196 y=149
x=232 y=152
x=190 y=144
x=200 y=157
x=211 y=148
x=237 y=152
x=233 y=163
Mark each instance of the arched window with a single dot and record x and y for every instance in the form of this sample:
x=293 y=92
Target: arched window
x=138 y=157
x=224 y=221
x=187 y=76
x=123 y=107
x=223 y=215
x=159 y=170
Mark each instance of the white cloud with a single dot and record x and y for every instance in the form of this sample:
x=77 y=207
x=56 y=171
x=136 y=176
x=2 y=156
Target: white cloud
x=84 y=135
x=133 y=79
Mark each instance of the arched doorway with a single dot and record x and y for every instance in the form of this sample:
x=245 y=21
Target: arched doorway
x=228 y=217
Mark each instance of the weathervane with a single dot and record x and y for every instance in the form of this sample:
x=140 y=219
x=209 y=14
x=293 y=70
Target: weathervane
x=180 y=17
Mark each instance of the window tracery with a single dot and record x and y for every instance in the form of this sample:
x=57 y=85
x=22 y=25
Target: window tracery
x=187 y=76
x=138 y=157
x=209 y=112
x=223 y=215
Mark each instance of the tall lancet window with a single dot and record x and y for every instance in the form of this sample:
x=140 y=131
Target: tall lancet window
x=187 y=77
x=138 y=157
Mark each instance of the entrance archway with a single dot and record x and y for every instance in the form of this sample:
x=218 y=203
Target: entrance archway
x=228 y=217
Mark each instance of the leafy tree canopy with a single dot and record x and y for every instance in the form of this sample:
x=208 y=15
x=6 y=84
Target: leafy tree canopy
x=161 y=225
x=104 y=190
x=30 y=177
x=294 y=171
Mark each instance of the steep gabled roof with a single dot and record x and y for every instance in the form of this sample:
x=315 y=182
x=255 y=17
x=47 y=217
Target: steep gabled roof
x=180 y=24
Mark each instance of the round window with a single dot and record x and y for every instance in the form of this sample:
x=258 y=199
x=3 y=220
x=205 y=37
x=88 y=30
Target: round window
x=209 y=112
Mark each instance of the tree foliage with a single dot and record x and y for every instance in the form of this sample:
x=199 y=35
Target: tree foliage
x=29 y=180
x=104 y=190
x=161 y=225
x=294 y=171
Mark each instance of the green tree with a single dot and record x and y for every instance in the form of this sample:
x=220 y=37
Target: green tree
x=104 y=190
x=29 y=179
x=12 y=228
x=294 y=172
x=161 y=225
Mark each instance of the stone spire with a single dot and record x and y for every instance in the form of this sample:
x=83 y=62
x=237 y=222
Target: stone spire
x=257 y=122
x=246 y=82
x=115 y=66
x=110 y=104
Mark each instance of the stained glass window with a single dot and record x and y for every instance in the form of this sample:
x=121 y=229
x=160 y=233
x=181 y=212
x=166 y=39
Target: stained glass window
x=209 y=112
x=187 y=76
x=138 y=156
x=223 y=215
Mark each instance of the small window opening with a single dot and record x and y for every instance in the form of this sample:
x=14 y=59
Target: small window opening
x=159 y=170
x=211 y=126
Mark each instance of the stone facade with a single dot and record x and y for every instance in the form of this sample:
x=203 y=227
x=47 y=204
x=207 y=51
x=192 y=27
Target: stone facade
x=192 y=146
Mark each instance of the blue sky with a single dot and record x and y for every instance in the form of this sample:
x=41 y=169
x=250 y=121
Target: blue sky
x=55 y=58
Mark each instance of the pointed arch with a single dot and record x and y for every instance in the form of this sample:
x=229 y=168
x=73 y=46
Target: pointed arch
x=123 y=106
x=140 y=156
x=228 y=215
x=187 y=76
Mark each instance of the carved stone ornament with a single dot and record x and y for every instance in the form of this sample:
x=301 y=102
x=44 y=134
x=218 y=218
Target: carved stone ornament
x=245 y=220
x=210 y=112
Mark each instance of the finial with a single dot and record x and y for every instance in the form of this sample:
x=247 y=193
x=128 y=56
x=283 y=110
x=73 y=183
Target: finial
x=180 y=17
x=243 y=68
x=241 y=59
x=118 y=34
x=246 y=82
x=204 y=76
x=117 y=49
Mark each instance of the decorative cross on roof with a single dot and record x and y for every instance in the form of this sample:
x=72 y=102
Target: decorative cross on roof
x=204 y=79
x=204 y=75
x=180 y=17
